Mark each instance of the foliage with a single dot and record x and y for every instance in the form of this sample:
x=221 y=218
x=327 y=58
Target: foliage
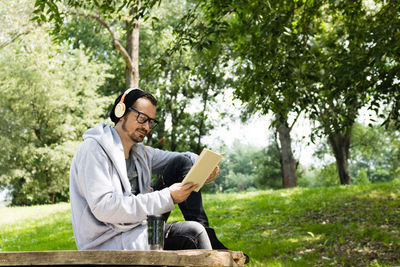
x=385 y=36
x=330 y=58
x=320 y=56
x=324 y=176
x=327 y=176
x=14 y=19
x=99 y=26
x=55 y=11
x=47 y=101
x=89 y=36
x=362 y=177
x=78 y=107
x=246 y=167
x=374 y=157
x=185 y=82
x=269 y=172
x=237 y=169
x=169 y=76
x=347 y=60
x=323 y=56
x=306 y=176
x=375 y=151
x=340 y=225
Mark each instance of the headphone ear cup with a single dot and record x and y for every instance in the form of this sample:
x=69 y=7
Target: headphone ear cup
x=119 y=110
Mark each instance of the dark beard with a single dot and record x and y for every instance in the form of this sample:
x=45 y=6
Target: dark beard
x=134 y=138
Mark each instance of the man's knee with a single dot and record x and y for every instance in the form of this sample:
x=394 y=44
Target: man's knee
x=178 y=167
x=199 y=234
x=180 y=161
x=195 y=228
x=188 y=235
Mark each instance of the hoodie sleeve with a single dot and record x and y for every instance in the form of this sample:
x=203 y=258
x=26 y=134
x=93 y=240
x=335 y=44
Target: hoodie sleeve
x=100 y=186
x=160 y=158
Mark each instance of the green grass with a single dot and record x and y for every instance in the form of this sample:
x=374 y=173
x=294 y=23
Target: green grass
x=338 y=226
x=46 y=227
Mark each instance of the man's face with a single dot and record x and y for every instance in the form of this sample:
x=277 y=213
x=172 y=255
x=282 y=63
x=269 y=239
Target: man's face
x=131 y=127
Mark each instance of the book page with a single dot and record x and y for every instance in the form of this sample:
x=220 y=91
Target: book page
x=202 y=168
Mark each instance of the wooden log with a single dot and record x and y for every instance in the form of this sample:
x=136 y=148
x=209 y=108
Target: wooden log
x=124 y=257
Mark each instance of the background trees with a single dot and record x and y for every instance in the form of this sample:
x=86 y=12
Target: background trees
x=327 y=61
x=319 y=57
x=347 y=65
x=375 y=154
x=47 y=100
x=171 y=79
x=124 y=15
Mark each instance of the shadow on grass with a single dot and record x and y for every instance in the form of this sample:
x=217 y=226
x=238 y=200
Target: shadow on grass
x=344 y=225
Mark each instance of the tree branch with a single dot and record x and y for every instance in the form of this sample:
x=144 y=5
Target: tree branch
x=115 y=41
x=14 y=37
x=295 y=120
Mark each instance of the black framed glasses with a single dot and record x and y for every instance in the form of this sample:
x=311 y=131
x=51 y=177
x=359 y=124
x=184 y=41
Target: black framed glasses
x=143 y=118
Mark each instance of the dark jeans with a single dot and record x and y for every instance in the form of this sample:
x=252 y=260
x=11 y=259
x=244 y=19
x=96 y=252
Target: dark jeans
x=195 y=231
x=192 y=208
x=186 y=235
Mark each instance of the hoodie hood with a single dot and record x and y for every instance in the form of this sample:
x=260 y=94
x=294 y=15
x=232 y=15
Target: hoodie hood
x=109 y=140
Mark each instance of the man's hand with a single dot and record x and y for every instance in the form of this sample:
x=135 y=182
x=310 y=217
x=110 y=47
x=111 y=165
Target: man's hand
x=213 y=175
x=180 y=192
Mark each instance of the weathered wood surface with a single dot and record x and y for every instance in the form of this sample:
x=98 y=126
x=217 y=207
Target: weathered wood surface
x=124 y=257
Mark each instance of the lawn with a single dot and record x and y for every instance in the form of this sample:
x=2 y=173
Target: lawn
x=338 y=226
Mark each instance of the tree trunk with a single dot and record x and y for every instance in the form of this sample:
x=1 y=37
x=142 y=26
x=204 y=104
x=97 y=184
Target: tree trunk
x=288 y=163
x=340 y=146
x=132 y=47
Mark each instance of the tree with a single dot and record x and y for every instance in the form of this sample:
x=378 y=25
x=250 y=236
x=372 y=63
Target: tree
x=89 y=36
x=288 y=163
x=106 y=13
x=47 y=100
x=15 y=22
x=350 y=70
x=318 y=56
x=186 y=81
x=266 y=43
x=374 y=156
x=172 y=81
x=384 y=38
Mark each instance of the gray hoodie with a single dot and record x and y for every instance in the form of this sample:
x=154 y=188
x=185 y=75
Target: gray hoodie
x=105 y=215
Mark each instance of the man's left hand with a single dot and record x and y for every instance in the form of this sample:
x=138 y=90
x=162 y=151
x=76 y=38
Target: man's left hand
x=213 y=175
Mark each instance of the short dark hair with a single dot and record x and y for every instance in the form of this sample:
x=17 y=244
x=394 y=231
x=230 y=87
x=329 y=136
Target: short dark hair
x=148 y=96
x=130 y=100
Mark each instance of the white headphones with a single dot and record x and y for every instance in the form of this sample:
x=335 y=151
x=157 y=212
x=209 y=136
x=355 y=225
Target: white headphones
x=120 y=108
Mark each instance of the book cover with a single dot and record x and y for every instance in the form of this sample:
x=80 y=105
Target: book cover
x=202 y=168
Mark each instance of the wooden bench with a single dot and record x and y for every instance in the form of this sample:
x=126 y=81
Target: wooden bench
x=124 y=257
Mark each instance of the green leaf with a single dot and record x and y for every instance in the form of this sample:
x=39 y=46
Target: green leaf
x=42 y=18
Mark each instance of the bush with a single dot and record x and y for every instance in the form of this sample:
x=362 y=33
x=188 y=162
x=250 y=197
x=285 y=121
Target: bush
x=47 y=99
x=362 y=177
x=327 y=176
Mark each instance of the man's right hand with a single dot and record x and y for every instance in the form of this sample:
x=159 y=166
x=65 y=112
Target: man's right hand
x=180 y=192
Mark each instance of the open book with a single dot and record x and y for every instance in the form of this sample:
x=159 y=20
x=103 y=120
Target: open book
x=202 y=168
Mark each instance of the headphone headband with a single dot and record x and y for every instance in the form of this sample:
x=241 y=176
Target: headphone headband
x=126 y=93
